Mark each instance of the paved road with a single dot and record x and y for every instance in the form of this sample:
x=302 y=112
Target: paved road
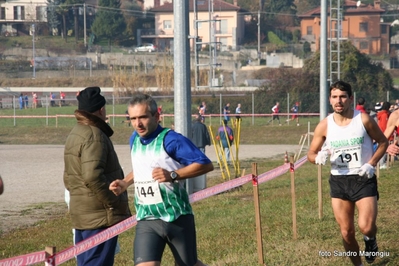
x=33 y=173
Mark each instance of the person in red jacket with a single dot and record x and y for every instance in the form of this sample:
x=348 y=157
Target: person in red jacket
x=360 y=105
x=383 y=116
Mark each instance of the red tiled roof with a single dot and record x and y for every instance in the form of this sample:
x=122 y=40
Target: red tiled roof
x=350 y=8
x=202 y=5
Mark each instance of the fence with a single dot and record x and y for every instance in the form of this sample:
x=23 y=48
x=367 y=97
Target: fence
x=51 y=258
x=256 y=102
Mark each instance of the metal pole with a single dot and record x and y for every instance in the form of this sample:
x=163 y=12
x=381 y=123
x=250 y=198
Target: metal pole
x=33 y=51
x=221 y=109
x=84 y=24
x=323 y=60
x=260 y=7
x=182 y=83
x=253 y=109
x=47 y=104
x=14 y=104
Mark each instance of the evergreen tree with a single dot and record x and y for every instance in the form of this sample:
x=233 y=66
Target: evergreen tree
x=53 y=18
x=109 y=22
x=366 y=77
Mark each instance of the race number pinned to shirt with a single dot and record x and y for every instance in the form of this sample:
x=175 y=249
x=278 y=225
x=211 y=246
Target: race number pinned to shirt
x=148 y=192
x=347 y=158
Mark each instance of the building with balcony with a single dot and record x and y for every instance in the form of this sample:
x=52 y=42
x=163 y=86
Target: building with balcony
x=17 y=16
x=361 y=24
x=222 y=25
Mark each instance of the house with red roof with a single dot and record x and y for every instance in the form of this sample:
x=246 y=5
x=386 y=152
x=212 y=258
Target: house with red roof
x=362 y=24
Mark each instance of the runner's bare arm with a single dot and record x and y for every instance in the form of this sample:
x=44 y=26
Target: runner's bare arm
x=393 y=122
x=376 y=134
x=189 y=171
x=319 y=138
x=120 y=185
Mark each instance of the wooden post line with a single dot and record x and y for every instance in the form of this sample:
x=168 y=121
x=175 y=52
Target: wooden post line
x=50 y=251
x=293 y=197
x=257 y=213
x=320 y=190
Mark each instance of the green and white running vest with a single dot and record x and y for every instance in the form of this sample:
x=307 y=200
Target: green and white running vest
x=153 y=200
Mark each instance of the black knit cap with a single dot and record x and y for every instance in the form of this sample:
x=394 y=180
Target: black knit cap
x=90 y=99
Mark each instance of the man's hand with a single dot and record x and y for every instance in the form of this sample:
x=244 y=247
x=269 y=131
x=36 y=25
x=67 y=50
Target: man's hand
x=161 y=175
x=367 y=170
x=393 y=149
x=322 y=157
x=118 y=187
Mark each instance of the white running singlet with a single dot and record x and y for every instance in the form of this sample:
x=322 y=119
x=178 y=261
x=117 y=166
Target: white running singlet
x=350 y=145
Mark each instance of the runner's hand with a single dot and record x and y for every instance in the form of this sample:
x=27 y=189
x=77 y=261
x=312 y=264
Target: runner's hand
x=367 y=170
x=322 y=157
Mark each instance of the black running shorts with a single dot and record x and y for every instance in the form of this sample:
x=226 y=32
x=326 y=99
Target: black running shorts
x=152 y=236
x=353 y=187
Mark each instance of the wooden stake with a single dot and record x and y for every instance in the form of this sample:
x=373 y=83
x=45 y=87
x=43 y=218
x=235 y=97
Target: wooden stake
x=50 y=251
x=320 y=191
x=293 y=198
x=257 y=213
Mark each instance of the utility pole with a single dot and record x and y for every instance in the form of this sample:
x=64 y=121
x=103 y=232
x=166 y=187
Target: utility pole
x=33 y=51
x=84 y=24
x=260 y=8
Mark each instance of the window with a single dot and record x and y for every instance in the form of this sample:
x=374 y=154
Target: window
x=364 y=46
x=19 y=12
x=363 y=27
x=3 y=13
x=309 y=30
x=223 y=26
x=199 y=25
x=384 y=29
x=167 y=24
x=41 y=13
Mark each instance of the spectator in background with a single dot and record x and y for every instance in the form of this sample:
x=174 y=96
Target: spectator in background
x=160 y=113
x=21 y=101
x=52 y=99
x=91 y=165
x=62 y=98
x=377 y=108
x=382 y=117
x=294 y=110
x=275 y=111
x=226 y=136
x=360 y=105
x=26 y=99
x=34 y=100
x=226 y=113
x=238 y=111
x=200 y=135
x=202 y=111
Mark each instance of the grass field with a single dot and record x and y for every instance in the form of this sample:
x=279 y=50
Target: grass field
x=226 y=222
x=52 y=126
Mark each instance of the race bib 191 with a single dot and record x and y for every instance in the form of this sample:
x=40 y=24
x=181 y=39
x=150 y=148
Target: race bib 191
x=347 y=158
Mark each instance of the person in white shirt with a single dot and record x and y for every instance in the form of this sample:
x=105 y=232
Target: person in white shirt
x=346 y=136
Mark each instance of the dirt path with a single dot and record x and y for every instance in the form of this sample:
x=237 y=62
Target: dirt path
x=34 y=188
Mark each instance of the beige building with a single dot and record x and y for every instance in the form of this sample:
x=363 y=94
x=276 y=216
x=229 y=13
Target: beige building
x=17 y=16
x=362 y=24
x=223 y=26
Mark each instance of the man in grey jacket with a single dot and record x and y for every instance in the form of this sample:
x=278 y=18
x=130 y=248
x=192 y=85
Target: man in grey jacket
x=200 y=135
x=91 y=164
